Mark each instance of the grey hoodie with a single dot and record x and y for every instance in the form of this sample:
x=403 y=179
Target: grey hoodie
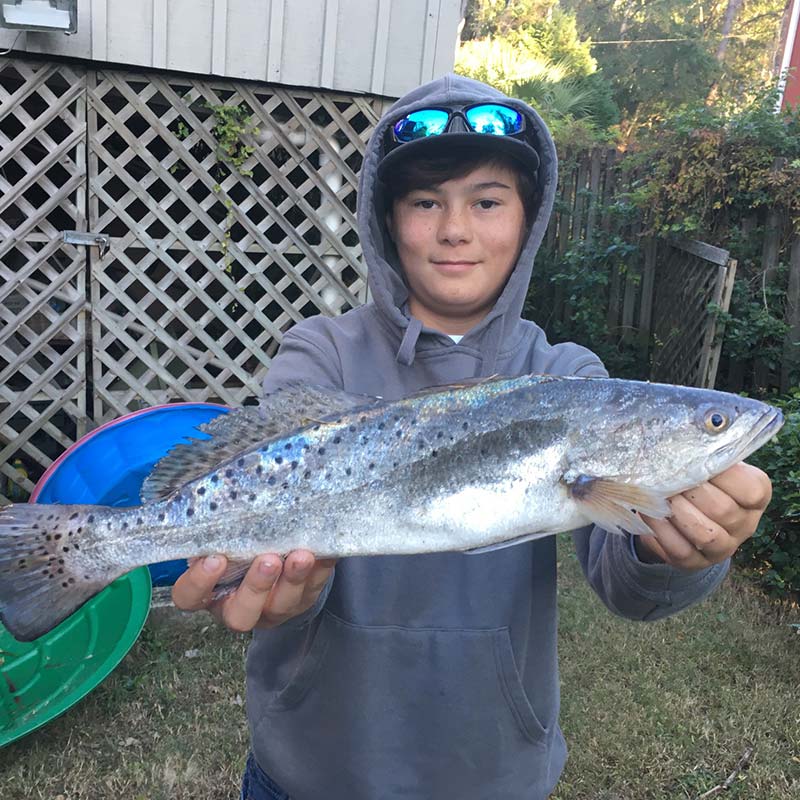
x=436 y=676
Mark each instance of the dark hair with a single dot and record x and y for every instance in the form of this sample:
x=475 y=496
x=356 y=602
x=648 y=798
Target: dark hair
x=423 y=172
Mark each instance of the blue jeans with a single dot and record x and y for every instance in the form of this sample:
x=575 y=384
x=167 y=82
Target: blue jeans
x=257 y=785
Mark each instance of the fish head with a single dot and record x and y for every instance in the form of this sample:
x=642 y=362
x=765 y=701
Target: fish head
x=673 y=437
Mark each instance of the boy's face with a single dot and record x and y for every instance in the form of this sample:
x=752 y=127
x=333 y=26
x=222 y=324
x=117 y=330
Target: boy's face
x=458 y=243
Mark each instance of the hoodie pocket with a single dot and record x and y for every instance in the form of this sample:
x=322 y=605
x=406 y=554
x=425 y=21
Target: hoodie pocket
x=411 y=683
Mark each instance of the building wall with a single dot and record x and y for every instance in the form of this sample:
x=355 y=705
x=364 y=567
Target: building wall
x=383 y=47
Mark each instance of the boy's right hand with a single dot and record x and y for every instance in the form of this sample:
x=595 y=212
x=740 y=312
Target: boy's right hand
x=271 y=592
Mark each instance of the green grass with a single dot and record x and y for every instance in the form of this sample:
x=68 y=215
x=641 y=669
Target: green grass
x=650 y=711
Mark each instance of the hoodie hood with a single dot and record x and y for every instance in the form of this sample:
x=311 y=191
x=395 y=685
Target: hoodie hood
x=388 y=289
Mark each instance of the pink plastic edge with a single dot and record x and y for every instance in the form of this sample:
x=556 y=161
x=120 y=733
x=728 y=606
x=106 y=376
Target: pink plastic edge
x=55 y=465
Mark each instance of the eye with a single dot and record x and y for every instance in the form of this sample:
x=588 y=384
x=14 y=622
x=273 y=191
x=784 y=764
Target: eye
x=716 y=421
x=487 y=204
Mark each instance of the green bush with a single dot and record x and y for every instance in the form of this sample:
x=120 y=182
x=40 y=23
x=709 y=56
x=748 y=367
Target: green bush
x=774 y=552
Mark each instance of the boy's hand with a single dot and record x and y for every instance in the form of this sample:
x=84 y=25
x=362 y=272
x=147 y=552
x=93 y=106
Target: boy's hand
x=710 y=521
x=272 y=591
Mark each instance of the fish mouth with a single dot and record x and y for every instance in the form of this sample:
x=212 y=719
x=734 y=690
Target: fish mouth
x=766 y=426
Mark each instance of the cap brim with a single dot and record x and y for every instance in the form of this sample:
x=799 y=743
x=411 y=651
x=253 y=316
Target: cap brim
x=447 y=142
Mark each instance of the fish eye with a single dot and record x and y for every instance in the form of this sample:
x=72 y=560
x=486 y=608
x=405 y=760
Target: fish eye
x=716 y=421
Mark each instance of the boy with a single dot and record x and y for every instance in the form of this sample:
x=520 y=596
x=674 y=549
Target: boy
x=436 y=676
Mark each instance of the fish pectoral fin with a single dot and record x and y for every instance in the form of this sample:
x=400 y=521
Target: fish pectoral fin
x=229 y=581
x=616 y=506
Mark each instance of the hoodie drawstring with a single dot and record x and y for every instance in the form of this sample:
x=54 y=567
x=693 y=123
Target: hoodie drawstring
x=408 y=347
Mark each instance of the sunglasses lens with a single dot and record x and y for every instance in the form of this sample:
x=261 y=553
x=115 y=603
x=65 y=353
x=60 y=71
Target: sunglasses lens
x=419 y=124
x=494 y=119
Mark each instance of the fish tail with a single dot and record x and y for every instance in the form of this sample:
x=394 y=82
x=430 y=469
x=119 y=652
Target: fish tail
x=41 y=580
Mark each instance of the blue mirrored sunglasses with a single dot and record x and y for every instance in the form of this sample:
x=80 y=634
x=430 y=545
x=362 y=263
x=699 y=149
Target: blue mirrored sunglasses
x=489 y=118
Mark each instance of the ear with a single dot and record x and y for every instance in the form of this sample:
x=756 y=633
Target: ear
x=389 y=224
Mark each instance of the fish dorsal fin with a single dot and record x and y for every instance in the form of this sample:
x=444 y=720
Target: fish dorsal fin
x=469 y=383
x=282 y=411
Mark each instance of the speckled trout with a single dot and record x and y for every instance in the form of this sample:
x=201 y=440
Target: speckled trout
x=467 y=468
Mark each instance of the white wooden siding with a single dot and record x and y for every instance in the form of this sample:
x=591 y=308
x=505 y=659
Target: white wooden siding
x=383 y=47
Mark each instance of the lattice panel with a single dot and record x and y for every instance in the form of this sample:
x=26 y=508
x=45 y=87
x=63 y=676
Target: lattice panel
x=210 y=264
x=684 y=331
x=42 y=280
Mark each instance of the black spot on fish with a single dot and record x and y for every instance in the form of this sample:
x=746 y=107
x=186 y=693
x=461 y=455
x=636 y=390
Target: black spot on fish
x=77 y=547
x=202 y=490
x=348 y=471
x=124 y=525
x=71 y=580
x=395 y=464
x=362 y=419
x=465 y=425
x=60 y=560
x=364 y=439
x=398 y=433
x=50 y=517
x=213 y=506
x=189 y=512
x=278 y=460
x=65 y=584
x=414 y=421
x=371 y=465
x=285 y=486
x=234 y=495
x=90 y=518
x=251 y=498
x=61 y=570
x=271 y=480
x=294 y=465
x=396 y=418
x=434 y=453
x=439 y=435
x=327 y=476
x=162 y=516
x=48 y=537
x=228 y=473
x=337 y=439
x=35 y=526
x=58 y=535
x=74 y=516
x=240 y=462
x=352 y=429
x=421 y=444
x=139 y=521
x=214 y=478
x=259 y=469
x=321 y=451
x=66 y=549
x=307 y=474
x=288 y=446
x=381 y=426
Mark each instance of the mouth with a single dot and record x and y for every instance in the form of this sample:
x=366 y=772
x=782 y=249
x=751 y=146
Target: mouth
x=454 y=266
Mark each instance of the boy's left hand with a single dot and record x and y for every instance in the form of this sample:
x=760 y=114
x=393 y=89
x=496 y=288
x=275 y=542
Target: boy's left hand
x=709 y=522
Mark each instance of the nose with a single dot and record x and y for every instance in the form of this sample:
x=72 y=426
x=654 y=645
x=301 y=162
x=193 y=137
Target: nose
x=454 y=227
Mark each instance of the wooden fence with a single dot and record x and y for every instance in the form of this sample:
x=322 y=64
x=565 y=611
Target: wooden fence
x=663 y=287
x=194 y=267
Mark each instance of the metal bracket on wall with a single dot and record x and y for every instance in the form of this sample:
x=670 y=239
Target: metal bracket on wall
x=98 y=240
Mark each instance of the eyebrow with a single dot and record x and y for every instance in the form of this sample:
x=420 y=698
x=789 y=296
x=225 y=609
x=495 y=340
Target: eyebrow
x=476 y=187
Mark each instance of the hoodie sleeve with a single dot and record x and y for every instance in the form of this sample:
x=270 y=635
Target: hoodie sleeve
x=628 y=586
x=305 y=355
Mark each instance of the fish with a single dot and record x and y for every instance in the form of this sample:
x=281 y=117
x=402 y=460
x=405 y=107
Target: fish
x=464 y=468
